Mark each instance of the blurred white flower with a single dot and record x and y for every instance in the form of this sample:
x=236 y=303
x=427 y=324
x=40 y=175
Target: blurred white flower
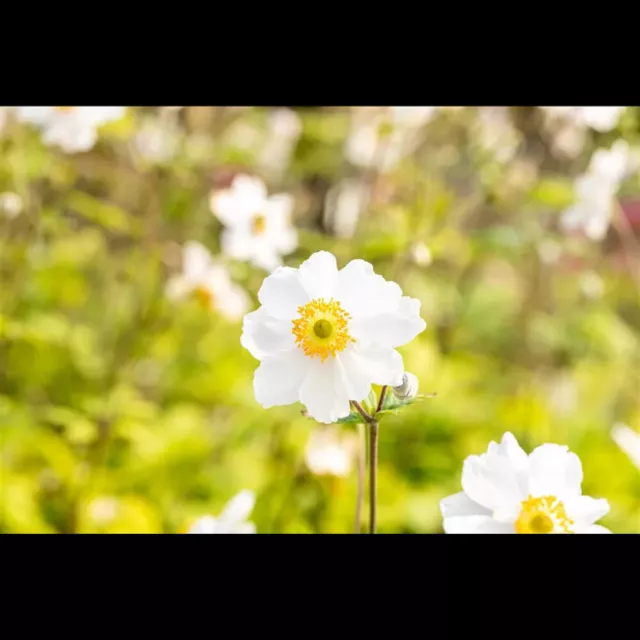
x=103 y=510
x=283 y=130
x=344 y=203
x=598 y=118
x=408 y=388
x=380 y=137
x=208 y=282
x=156 y=141
x=628 y=440
x=257 y=226
x=507 y=491
x=11 y=205
x=496 y=133
x=421 y=254
x=233 y=519
x=73 y=129
x=330 y=452
x=595 y=192
x=323 y=336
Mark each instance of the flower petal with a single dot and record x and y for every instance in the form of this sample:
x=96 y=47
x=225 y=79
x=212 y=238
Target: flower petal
x=555 y=471
x=596 y=528
x=263 y=335
x=363 y=293
x=238 y=509
x=318 y=275
x=586 y=510
x=251 y=190
x=278 y=209
x=234 y=302
x=236 y=242
x=460 y=504
x=282 y=293
x=375 y=364
x=322 y=393
x=206 y=524
x=492 y=481
x=266 y=257
x=628 y=440
x=278 y=379
x=392 y=329
x=475 y=524
x=196 y=260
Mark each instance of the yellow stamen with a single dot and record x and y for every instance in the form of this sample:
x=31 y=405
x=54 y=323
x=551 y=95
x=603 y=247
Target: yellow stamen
x=322 y=329
x=259 y=224
x=204 y=296
x=543 y=515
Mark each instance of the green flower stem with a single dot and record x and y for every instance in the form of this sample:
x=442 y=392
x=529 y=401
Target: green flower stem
x=373 y=474
x=372 y=422
x=361 y=462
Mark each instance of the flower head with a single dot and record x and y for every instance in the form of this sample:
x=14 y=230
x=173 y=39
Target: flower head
x=258 y=227
x=596 y=190
x=408 y=388
x=73 y=129
x=330 y=453
x=233 y=519
x=324 y=335
x=207 y=282
x=628 y=440
x=506 y=491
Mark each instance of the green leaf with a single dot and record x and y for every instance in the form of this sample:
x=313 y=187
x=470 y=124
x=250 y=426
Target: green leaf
x=352 y=418
x=393 y=404
x=371 y=402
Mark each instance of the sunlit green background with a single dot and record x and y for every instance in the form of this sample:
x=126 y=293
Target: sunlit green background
x=111 y=394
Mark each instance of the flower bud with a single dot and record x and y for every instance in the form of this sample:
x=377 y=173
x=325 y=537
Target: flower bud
x=408 y=388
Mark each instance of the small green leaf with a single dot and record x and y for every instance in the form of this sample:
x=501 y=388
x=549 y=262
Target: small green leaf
x=352 y=418
x=371 y=402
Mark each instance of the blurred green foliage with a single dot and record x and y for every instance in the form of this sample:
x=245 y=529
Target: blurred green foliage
x=122 y=411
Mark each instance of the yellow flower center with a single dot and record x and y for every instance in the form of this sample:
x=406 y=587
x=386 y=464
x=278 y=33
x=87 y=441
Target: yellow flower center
x=259 y=224
x=63 y=109
x=322 y=329
x=204 y=296
x=543 y=515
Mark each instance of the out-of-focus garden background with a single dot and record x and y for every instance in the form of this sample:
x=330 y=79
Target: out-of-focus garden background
x=123 y=409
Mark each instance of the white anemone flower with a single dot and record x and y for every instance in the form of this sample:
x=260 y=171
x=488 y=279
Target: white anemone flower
x=233 y=519
x=628 y=440
x=507 y=491
x=208 y=282
x=330 y=453
x=596 y=190
x=73 y=129
x=257 y=226
x=324 y=335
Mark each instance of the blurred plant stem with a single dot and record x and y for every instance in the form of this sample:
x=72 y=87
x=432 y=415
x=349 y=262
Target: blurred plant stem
x=630 y=245
x=373 y=425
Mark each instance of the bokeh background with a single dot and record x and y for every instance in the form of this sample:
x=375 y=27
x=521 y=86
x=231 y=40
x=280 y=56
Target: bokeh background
x=123 y=410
